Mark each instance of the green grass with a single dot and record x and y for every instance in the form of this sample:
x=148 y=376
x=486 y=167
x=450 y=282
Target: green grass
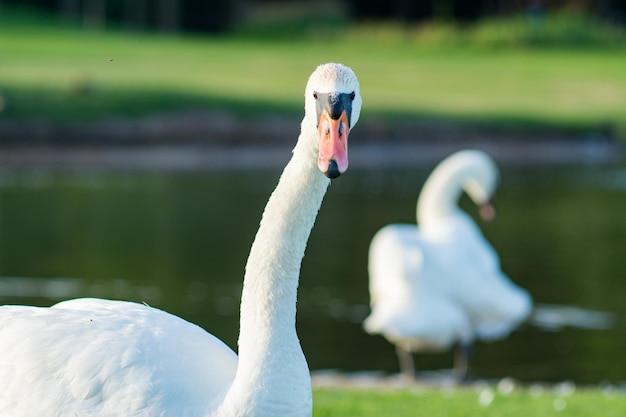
x=465 y=402
x=60 y=73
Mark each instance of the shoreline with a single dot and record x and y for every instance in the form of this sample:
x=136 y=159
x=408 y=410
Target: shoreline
x=189 y=157
x=221 y=141
x=444 y=380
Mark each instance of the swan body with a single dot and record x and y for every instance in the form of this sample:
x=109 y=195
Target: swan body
x=440 y=283
x=406 y=308
x=92 y=357
x=109 y=358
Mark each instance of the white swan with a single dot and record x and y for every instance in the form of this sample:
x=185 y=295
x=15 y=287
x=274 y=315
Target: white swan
x=91 y=357
x=440 y=283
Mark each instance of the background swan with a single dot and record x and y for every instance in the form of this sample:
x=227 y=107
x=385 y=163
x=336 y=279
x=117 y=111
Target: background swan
x=92 y=357
x=440 y=283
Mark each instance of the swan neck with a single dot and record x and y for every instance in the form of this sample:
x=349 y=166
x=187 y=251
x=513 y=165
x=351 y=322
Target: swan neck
x=271 y=362
x=470 y=171
x=273 y=266
x=440 y=194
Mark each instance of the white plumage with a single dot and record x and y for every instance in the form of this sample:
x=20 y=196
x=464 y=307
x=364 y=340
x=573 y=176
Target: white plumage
x=92 y=357
x=440 y=283
x=101 y=357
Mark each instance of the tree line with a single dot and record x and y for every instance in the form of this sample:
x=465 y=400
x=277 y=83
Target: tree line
x=218 y=16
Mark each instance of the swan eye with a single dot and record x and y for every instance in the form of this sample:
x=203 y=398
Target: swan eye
x=352 y=95
x=315 y=95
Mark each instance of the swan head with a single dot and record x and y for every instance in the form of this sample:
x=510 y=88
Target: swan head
x=332 y=105
x=481 y=182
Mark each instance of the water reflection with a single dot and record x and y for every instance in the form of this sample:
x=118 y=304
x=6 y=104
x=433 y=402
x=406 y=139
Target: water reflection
x=179 y=241
x=555 y=318
x=64 y=288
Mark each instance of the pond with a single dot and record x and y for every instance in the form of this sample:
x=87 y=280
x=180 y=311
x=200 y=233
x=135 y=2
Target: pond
x=178 y=240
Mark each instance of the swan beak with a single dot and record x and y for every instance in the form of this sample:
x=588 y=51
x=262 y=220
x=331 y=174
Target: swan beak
x=487 y=212
x=333 y=148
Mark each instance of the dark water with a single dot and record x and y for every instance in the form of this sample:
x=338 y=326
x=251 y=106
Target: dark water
x=179 y=241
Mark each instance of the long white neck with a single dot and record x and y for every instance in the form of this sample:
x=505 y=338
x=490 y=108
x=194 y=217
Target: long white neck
x=471 y=171
x=272 y=376
x=440 y=194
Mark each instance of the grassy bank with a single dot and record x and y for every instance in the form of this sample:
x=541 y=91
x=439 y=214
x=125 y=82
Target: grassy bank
x=55 y=72
x=466 y=402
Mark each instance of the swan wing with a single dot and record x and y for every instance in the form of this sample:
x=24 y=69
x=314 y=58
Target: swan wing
x=504 y=306
x=99 y=357
x=469 y=273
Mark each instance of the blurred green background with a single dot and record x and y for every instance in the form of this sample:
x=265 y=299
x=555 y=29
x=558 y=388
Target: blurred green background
x=547 y=66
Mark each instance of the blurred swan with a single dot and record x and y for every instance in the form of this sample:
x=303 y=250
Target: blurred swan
x=440 y=284
x=93 y=357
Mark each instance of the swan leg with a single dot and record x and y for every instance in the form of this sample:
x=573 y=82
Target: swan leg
x=462 y=357
x=405 y=360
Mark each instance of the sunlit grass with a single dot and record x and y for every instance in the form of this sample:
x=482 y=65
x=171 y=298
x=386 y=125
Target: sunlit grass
x=484 y=402
x=62 y=73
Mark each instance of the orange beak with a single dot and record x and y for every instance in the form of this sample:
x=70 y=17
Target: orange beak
x=487 y=211
x=333 y=152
